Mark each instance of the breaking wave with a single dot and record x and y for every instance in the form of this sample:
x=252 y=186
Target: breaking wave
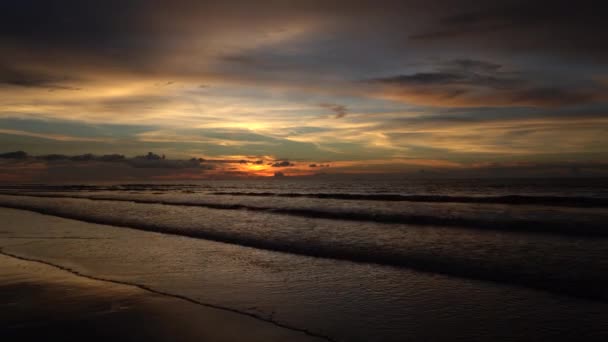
x=554 y=264
x=571 y=227
x=577 y=202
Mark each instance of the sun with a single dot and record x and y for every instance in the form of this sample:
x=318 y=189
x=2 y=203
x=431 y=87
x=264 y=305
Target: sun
x=256 y=167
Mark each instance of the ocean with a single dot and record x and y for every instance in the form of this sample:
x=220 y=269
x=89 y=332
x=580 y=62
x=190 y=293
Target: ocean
x=349 y=260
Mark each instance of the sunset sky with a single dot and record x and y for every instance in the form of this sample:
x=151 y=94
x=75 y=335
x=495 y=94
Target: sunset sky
x=303 y=87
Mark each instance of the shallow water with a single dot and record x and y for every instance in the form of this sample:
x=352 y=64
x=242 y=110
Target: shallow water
x=345 y=300
x=439 y=279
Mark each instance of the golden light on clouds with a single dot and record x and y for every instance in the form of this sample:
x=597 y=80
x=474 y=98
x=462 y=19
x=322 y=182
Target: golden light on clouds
x=313 y=83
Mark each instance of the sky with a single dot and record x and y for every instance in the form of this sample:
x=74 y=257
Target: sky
x=302 y=88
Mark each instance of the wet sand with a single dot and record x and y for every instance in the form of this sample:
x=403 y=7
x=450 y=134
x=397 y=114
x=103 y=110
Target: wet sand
x=84 y=281
x=42 y=302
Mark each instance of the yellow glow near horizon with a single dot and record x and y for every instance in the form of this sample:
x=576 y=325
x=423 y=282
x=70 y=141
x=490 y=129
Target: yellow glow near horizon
x=256 y=167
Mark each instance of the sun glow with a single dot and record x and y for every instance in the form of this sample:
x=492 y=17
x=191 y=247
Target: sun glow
x=256 y=168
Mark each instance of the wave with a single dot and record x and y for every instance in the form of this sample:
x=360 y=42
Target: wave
x=571 y=227
x=577 y=202
x=544 y=200
x=539 y=263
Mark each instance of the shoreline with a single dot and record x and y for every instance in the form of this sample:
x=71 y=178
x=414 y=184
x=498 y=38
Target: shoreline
x=39 y=300
x=550 y=282
x=178 y=288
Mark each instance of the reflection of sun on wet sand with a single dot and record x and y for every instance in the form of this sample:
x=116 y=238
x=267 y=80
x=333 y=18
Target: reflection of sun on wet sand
x=41 y=302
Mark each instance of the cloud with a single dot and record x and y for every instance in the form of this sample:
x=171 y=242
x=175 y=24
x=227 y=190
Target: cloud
x=283 y=163
x=241 y=59
x=86 y=167
x=461 y=83
x=20 y=166
x=14 y=167
x=473 y=65
x=552 y=27
x=150 y=160
x=34 y=79
x=59 y=137
x=340 y=110
x=457 y=81
x=14 y=155
x=452 y=78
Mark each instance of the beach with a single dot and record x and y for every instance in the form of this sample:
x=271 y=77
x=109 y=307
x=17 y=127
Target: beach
x=39 y=301
x=341 y=171
x=159 y=272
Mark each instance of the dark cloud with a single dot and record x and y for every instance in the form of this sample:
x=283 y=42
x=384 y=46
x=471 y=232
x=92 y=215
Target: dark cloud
x=169 y=164
x=78 y=158
x=424 y=78
x=14 y=155
x=480 y=83
x=142 y=37
x=150 y=160
x=557 y=26
x=226 y=161
x=137 y=34
x=472 y=65
x=283 y=163
x=36 y=79
x=555 y=96
x=453 y=78
x=466 y=72
x=70 y=23
x=340 y=110
x=461 y=118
